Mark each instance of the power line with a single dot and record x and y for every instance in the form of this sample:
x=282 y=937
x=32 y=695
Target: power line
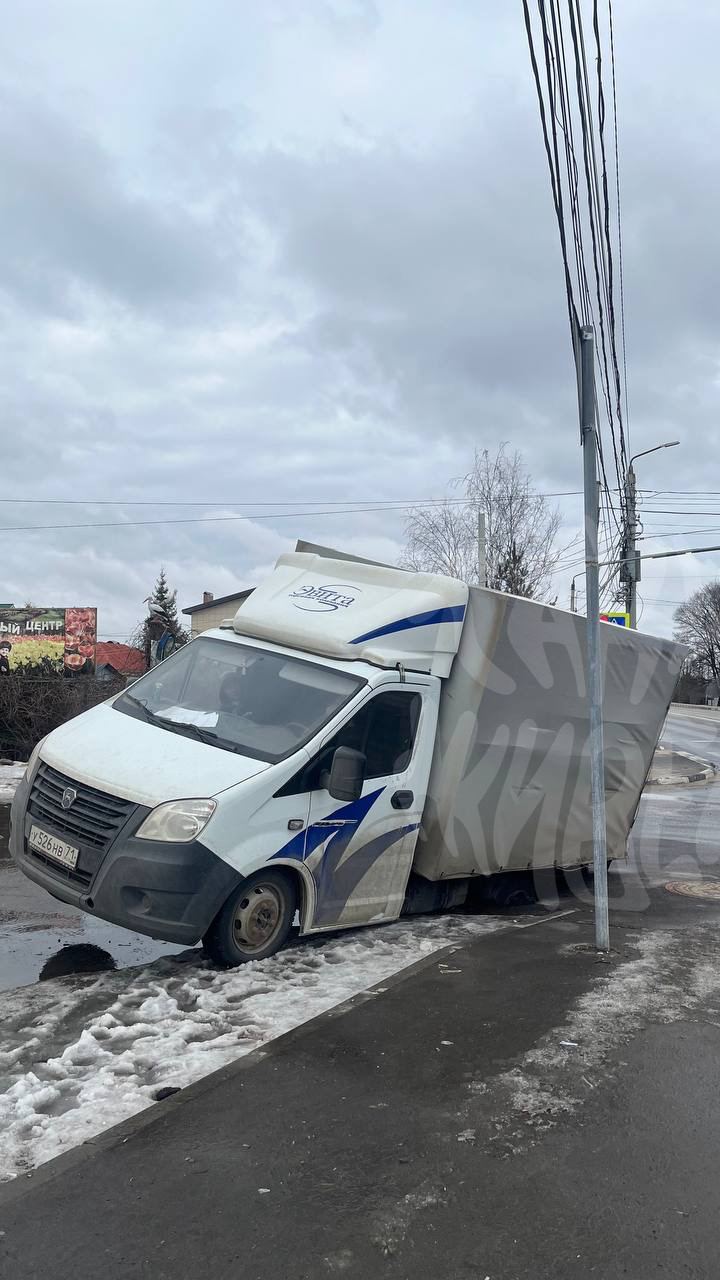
x=557 y=113
x=619 y=217
x=251 y=502
x=136 y=524
x=679 y=533
x=602 y=250
x=608 y=239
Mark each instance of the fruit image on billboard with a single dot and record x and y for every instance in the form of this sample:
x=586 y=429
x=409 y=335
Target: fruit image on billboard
x=50 y=640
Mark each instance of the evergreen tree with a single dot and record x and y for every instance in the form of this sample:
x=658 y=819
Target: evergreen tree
x=162 y=619
x=166 y=602
x=512 y=574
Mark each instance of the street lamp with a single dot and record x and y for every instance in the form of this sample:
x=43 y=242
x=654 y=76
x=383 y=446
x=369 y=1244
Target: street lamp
x=631 y=564
x=669 y=444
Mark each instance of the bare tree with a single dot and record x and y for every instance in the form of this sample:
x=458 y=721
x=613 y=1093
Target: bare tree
x=520 y=529
x=697 y=624
x=440 y=540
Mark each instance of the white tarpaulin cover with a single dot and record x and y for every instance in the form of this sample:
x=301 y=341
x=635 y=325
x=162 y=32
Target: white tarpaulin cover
x=510 y=783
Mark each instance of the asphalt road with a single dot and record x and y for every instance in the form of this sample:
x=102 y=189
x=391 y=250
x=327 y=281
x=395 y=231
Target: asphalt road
x=695 y=730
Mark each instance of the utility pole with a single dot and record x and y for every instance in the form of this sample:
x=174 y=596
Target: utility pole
x=573 y=605
x=630 y=567
x=594 y=652
x=482 y=553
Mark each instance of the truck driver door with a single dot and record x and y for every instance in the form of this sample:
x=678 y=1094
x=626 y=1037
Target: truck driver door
x=360 y=852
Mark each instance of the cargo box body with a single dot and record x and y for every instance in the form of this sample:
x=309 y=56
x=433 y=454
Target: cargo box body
x=510 y=782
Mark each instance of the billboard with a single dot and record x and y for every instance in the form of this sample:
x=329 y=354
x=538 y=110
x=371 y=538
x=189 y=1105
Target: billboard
x=65 y=638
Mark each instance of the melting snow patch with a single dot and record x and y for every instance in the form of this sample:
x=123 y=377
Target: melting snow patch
x=10 y=777
x=670 y=979
x=77 y=1056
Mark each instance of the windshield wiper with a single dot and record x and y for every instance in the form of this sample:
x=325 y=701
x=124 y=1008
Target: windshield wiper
x=150 y=716
x=185 y=727
x=204 y=735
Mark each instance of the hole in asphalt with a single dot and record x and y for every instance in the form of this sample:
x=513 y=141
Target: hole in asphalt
x=78 y=957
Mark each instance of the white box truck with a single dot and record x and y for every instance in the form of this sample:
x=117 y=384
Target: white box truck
x=357 y=743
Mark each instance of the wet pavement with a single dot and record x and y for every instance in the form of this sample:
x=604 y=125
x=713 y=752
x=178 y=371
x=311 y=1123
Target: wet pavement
x=42 y=938
x=694 y=729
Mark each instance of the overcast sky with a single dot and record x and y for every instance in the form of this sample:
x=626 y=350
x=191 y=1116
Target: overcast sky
x=304 y=251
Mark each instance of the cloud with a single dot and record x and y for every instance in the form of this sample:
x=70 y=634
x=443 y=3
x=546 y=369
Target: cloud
x=69 y=223
x=281 y=254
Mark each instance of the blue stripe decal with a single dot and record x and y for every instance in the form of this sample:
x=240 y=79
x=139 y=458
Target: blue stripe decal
x=306 y=842
x=453 y=613
x=336 y=884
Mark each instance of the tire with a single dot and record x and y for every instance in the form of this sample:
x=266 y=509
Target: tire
x=255 y=921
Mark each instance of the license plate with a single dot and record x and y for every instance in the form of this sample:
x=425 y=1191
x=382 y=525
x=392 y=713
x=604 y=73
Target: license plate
x=42 y=842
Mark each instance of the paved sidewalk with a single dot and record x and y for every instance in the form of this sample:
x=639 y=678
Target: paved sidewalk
x=517 y=1109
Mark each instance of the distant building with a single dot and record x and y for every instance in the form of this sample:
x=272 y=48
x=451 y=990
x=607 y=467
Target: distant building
x=113 y=660
x=212 y=611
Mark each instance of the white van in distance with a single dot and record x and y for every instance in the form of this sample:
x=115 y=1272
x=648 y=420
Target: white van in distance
x=357 y=743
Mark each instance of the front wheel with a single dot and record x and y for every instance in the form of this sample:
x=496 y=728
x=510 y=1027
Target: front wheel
x=255 y=921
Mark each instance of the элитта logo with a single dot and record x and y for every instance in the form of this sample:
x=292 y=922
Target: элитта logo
x=323 y=599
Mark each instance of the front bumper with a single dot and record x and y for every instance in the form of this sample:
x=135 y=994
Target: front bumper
x=167 y=891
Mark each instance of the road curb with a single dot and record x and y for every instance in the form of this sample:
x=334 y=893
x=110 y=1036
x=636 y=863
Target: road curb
x=704 y=771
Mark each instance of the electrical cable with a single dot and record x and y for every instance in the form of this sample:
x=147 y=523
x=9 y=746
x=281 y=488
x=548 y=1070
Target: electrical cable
x=606 y=215
x=621 y=273
x=594 y=217
x=556 y=113
x=250 y=502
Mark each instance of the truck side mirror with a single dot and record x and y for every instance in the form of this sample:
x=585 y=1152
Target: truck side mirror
x=347 y=774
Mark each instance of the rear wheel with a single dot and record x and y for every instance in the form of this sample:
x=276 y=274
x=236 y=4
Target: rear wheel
x=255 y=921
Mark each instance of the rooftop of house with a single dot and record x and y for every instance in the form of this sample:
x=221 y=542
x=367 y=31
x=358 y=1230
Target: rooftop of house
x=209 y=601
x=121 y=657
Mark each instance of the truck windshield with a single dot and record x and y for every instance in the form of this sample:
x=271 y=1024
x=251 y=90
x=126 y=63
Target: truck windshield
x=239 y=698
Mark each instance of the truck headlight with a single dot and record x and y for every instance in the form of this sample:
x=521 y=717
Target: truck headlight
x=180 y=821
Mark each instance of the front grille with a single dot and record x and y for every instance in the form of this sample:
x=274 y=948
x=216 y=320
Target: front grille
x=73 y=874
x=93 y=820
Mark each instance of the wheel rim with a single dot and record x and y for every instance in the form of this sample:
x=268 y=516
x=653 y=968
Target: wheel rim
x=258 y=918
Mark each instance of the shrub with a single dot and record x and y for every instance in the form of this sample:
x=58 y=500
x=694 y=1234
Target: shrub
x=38 y=699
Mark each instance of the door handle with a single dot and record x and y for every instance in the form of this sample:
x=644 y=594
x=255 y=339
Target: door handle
x=402 y=799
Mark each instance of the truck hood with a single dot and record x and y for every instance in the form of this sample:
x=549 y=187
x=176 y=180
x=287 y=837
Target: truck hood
x=138 y=761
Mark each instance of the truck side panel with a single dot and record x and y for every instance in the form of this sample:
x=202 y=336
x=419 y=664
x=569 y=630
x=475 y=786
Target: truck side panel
x=510 y=782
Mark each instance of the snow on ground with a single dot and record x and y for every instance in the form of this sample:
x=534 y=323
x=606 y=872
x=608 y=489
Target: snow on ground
x=10 y=775
x=672 y=978
x=80 y=1055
